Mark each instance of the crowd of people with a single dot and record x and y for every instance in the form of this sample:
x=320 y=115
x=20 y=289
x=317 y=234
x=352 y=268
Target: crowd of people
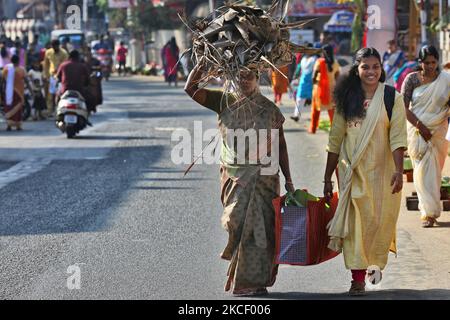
x=46 y=72
x=373 y=125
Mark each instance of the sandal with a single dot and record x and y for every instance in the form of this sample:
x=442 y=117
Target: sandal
x=357 y=289
x=250 y=292
x=429 y=222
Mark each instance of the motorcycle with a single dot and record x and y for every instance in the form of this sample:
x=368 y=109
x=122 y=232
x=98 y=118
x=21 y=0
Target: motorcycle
x=106 y=62
x=72 y=115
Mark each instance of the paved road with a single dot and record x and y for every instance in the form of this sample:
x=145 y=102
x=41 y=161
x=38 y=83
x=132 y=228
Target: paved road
x=114 y=207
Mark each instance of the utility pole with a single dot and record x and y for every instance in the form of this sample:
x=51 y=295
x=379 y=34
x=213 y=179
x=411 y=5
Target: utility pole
x=423 y=22
x=212 y=8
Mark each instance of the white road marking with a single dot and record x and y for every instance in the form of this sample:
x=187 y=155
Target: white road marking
x=22 y=170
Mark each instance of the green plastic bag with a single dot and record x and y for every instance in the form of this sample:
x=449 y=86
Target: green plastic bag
x=300 y=198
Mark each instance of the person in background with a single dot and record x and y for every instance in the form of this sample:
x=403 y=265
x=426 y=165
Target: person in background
x=280 y=83
x=305 y=86
x=400 y=74
x=122 y=58
x=19 y=51
x=73 y=74
x=66 y=45
x=326 y=72
x=324 y=38
x=393 y=59
x=171 y=56
x=13 y=92
x=4 y=55
x=426 y=95
x=54 y=57
x=37 y=85
x=32 y=56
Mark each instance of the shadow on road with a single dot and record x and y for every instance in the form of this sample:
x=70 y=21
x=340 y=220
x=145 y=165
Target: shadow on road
x=393 y=294
x=71 y=196
x=164 y=188
x=442 y=225
x=170 y=114
x=117 y=138
x=295 y=130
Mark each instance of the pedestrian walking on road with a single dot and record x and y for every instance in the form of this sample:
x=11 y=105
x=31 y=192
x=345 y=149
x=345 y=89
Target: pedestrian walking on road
x=122 y=59
x=326 y=72
x=247 y=191
x=305 y=86
x=426 y=94
x=37 y=84
x=171 y=54
x=5 y=57
x=13 y=92
x=367 y=139
x=280 y=83
x=393 y=59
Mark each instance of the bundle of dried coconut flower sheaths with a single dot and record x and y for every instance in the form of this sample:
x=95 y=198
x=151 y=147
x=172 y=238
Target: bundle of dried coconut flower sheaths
x=245 y=37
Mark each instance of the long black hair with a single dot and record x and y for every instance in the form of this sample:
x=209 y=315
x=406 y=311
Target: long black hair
x=328 y=54
x=427 y=51
x=173 y=47
x=348 y=93
x=4 y=51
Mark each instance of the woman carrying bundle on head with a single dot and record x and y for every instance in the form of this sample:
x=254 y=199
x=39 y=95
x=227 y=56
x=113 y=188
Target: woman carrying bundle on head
x=249 y=182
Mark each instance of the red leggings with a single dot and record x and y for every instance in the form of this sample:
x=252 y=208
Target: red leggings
x=359 y=275
x=278 y=97
x=315 y=117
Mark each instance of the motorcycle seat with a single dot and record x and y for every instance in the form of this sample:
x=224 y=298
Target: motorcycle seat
x=72 y=94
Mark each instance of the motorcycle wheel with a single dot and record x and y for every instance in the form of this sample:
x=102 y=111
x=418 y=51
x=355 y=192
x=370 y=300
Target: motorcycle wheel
x=71 y=131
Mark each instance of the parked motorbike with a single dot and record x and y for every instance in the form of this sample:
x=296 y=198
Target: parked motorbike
x=72 y=115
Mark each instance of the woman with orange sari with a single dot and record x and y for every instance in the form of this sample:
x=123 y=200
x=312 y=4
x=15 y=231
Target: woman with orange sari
x=280 y=83
x=13 y=89
x=326 y=71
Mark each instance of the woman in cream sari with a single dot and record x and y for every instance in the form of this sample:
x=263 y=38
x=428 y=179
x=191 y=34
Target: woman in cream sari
x=369 y=147
x=426 y=94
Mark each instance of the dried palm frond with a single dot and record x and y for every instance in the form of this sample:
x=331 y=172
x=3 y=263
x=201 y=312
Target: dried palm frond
x=245 y=37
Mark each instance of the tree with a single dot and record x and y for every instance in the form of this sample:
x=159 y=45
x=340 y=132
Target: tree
x=145 y=17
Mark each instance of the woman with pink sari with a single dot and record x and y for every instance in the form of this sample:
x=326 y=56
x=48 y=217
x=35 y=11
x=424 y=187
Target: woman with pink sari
x=171 y=56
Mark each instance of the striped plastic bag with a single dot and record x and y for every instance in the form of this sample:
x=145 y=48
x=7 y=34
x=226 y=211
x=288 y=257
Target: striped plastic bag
x=301 y=236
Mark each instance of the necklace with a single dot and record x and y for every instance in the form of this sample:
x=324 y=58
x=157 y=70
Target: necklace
x=423 y=78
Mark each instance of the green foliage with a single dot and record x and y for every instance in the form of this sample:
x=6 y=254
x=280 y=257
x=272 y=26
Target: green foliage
x=325 y=125
x=144 y=17
x=102 y=5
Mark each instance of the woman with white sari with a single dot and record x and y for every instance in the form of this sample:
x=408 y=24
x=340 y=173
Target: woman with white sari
x=426 y=94
x=367 y=141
